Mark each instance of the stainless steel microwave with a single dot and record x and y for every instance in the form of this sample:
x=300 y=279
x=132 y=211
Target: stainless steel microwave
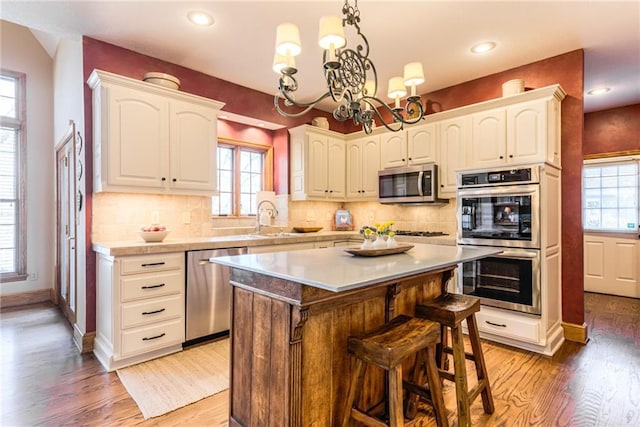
x=414 y=184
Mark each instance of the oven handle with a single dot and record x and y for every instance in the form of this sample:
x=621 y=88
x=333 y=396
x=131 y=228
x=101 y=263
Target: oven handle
x=519 y=254
x=420 y=176
x=499 y=190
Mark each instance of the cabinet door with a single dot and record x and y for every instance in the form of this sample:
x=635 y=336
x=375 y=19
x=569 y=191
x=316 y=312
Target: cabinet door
x=192 y=147
x=527 y=132
x=393 y=149
x=317 y=170
x=421 y=144
x=452 y=156
x=354 y=169
x=370 y=166
x=135 y=138
x=488 y=138
x=336 y=171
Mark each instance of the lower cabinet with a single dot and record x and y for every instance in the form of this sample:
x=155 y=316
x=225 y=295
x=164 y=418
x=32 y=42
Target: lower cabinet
x=140 y=311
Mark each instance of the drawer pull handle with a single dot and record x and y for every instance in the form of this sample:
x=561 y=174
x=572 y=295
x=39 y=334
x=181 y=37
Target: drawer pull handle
x=153 y=338
x=496 y=324
x=153 y=264
x=144 y=313
x=153 y=286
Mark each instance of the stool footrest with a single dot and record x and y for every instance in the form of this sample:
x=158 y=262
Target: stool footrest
x=423 y=392
x=474 y=392
x=447 y=375
x=366 y=419
x=467 y=356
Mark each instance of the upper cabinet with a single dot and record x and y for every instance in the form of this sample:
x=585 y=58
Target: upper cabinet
x=415 y=146
x=317 y=164
x=518 y=133
x=452 y=154
x=150 y=139
x=363 y=163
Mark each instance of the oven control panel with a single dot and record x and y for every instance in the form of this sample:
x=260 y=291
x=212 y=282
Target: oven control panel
x=527 y=175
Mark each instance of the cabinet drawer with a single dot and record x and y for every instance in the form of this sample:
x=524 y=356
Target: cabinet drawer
x=149 y=311
x=151 y=285
x=144 y=339
x=147 y=263
x=509 y=326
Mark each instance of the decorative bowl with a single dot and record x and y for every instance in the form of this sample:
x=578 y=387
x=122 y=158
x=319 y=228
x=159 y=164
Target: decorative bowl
x=153 y=236
x=162 y=79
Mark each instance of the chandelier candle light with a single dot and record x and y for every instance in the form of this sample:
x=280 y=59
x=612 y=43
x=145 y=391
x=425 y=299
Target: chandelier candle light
x=351 y=77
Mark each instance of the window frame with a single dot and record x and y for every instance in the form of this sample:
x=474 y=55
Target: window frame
x=267 y=171
x=19 y=123
x=612 y=159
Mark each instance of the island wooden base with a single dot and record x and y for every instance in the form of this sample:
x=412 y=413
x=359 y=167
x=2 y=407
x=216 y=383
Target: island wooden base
x=289 y=360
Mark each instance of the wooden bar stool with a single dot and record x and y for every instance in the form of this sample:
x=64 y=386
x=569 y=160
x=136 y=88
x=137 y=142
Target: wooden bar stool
x=387 y=347
x=450 y=310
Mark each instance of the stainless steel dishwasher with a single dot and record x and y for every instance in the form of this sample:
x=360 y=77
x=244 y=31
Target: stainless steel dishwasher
x=208 y=295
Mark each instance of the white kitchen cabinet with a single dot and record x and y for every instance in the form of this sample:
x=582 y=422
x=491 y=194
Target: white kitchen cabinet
x=488 y=138
x=393 y=149
x=414 y=146
x=140 y=312
x=517 y=134
x=150 y=139
x=363 y=163
x=452 y=154
x=317 y=164
x=422 y=142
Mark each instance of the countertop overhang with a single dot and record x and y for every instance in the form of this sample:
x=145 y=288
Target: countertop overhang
x=335 y=270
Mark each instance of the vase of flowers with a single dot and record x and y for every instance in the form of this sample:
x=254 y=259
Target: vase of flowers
x=391 y=241
x=369 y=234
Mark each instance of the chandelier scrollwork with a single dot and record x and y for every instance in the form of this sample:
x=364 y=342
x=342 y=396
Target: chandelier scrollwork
x=350 y=75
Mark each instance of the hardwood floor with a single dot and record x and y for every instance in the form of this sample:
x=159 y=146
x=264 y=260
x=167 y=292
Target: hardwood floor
x=46 y=382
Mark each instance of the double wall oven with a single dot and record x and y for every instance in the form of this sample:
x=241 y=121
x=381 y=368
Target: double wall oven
x=501 y=208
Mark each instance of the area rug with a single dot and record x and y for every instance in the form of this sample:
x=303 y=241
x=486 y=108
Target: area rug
x=171 y=382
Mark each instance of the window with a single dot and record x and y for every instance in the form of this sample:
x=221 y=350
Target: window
x=611 y=193
x=243 y=170
x=12 y=198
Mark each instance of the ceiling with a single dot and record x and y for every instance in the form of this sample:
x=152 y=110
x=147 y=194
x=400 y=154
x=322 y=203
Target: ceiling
x=239 y=46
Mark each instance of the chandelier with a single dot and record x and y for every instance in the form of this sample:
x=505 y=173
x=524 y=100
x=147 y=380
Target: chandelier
x=350 y=75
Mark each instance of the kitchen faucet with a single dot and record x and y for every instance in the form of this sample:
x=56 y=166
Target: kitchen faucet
x=273 y=212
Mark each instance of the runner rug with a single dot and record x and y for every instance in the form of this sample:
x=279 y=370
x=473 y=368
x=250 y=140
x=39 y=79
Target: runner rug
x=171 y=382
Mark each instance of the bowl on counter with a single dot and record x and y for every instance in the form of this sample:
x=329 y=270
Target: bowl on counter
x=153 y=236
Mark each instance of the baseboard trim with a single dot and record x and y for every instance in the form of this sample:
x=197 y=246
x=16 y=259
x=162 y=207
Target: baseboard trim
x=24 y=298
x=576 y=333
x=84 y=342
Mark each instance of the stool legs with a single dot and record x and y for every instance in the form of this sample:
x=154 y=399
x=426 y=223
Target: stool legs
x=396 y=417
x=460 y=369
x=426 y=365
x=355 y=387
x=481 y=369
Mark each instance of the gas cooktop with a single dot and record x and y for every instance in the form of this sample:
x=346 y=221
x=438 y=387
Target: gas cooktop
x=420 y=233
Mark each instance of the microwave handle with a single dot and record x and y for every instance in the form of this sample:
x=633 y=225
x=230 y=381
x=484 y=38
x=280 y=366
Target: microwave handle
x=420 y=178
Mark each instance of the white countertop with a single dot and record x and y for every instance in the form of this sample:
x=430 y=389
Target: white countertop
x=335 y=270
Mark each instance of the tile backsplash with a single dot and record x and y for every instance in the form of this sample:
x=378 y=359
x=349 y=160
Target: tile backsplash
x=117 y=216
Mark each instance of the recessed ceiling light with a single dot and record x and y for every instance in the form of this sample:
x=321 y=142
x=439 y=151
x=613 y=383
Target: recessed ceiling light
x=223 y=116
x=261 y=125
x=483 y=47
x=599 y=91
x=200 y=18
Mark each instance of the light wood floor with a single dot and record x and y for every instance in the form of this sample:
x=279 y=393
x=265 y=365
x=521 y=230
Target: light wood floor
x=46 y=382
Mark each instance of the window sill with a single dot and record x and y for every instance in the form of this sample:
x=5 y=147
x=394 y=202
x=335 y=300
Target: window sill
x=13 y=277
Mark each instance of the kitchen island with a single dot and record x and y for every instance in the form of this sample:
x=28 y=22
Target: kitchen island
x=292 y=313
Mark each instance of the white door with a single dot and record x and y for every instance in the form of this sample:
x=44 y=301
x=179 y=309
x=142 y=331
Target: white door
x=612 y=264
x=66 y=208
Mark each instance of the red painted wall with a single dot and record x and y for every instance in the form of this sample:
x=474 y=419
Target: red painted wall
x=610 y=131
